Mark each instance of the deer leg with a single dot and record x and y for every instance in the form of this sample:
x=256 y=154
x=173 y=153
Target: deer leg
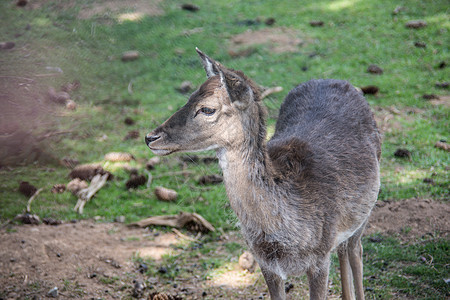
x=275 y=284
x=318 y=279
x=355 y=251
x=346 y=273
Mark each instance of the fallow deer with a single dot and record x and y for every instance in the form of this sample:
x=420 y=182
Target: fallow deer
x=307 y=191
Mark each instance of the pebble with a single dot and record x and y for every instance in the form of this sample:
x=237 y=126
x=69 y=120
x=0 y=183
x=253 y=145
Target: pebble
x=53 y=292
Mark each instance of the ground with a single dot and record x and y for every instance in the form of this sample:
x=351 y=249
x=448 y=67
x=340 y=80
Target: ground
x=101 y=260
x=80 y=44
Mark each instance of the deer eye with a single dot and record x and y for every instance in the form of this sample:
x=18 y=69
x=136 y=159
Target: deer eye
x=206 y=111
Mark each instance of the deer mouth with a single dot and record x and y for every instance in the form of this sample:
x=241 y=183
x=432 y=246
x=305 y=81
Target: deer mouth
x=150 y=140
x=161 y=152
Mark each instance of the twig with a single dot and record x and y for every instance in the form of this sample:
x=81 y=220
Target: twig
x=47 y=75
x=183 y=236
x=150 y=178
x=130 y=87
x=17 y=77
x=270 y=91
x=32 y=198
x=86 y=194
x=50 y=134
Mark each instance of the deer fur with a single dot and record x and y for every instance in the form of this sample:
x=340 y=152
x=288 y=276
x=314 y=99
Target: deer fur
x=307 y=191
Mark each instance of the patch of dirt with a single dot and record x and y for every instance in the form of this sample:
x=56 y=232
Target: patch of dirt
x=410 y=218
x=441 y=100
x=89 y=256
x=277 y=39
x=91 y=260
x=131 y=9
x=387 y=120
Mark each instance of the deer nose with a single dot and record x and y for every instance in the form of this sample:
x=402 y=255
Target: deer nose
x=151 y=138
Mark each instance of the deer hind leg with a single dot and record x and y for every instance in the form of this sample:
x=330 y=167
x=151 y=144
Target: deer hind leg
x=346 y=273
x=355 y=251
x=318 y=279
x=275 y=284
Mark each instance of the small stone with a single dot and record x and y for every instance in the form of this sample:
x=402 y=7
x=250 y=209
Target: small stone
x=120 y=219
x=374 y=69
x=288 y=287
x=247 y=261
x=416 y=24
x=316 y=23
x=165 y=194
x=130 y=55
x=53 y=292
x=142 y=268
x=71 y=105
x=7 y=45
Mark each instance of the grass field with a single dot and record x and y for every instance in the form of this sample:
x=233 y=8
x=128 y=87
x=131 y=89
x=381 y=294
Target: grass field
x=56 y=43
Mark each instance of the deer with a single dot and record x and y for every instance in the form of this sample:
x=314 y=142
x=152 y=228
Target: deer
x=307 y=191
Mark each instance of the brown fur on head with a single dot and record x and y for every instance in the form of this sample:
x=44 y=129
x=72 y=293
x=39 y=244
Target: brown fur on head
x=214 y=116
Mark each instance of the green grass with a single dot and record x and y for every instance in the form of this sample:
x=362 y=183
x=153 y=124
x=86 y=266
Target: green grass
x=355 y=34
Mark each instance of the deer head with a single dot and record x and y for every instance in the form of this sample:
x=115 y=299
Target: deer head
x=214 y=115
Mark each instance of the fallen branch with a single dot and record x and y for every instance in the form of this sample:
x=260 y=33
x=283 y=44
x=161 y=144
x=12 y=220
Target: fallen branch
x=270 y=91
x=191 y=221
x=32 y=198
x=98 y=181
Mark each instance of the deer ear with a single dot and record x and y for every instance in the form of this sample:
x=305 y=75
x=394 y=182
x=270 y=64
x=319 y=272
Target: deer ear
x=212 y=67
x=239 y=91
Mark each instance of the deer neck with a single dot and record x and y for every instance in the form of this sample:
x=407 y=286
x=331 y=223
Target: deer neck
x=250 y=185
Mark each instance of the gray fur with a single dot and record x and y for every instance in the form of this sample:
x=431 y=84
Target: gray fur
x=309 y=190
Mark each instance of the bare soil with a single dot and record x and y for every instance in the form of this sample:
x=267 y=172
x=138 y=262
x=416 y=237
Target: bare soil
x=96 y=260
x=277 y=39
